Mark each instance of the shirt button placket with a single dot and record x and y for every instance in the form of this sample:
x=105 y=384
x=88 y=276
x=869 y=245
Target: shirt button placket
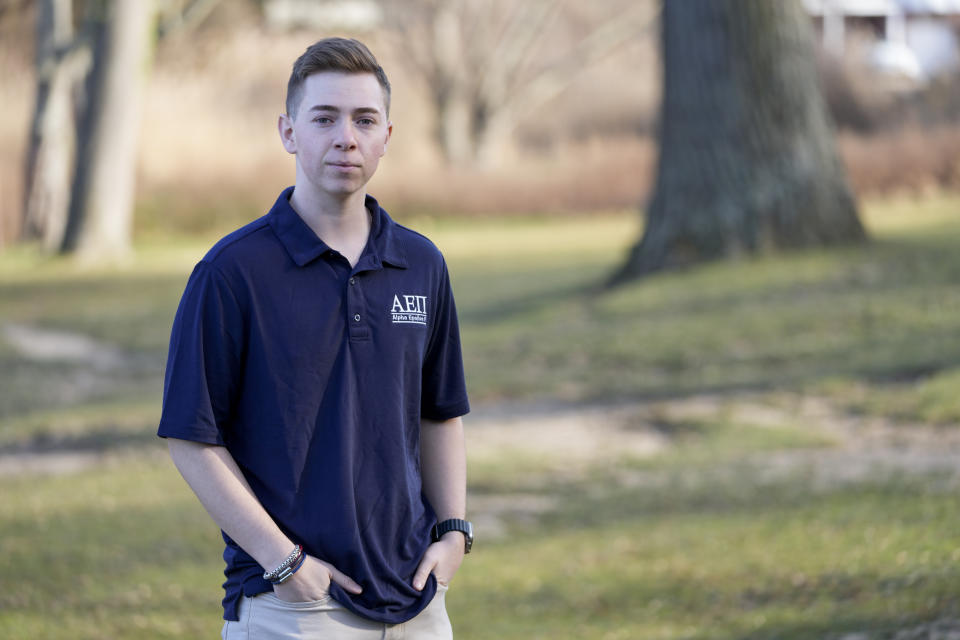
x=354 y=302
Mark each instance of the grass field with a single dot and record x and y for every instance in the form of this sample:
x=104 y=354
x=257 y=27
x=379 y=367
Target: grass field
x=694 y=540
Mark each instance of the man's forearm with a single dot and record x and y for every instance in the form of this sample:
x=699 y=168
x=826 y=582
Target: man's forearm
x=443 y=463
x=214 y=476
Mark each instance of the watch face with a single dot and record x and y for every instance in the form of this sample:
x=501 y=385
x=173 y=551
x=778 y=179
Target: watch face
x=468 y=537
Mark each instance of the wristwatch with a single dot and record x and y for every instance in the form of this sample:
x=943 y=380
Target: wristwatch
x=454 y=524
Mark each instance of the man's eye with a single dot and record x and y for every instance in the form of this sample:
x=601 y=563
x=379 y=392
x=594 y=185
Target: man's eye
x=367 y=122
x=323 y=120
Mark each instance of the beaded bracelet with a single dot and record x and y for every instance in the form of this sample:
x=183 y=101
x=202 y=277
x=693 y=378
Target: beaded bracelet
x=286 y=569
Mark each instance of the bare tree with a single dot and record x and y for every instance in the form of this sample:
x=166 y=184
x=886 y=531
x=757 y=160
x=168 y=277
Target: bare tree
x=81 y=158
x=485 y=62
x=61 y=64
x=748 y=160
x=101 y=205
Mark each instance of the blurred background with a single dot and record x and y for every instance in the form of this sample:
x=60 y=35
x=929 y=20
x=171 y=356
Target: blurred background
x=706 y=262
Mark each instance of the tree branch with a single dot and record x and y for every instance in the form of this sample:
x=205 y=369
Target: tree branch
x=187 y=19
x=596 y=46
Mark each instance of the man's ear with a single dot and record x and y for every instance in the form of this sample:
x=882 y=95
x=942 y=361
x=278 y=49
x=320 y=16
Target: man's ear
x=287 y=137
x=389 y=133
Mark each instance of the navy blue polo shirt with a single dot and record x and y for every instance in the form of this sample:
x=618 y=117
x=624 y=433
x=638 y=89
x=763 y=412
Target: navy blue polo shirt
x=315 y=375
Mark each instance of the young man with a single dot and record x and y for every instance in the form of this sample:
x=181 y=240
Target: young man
x=314 y=387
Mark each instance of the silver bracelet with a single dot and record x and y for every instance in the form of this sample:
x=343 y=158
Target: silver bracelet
x=288 y=572
x=283 y=572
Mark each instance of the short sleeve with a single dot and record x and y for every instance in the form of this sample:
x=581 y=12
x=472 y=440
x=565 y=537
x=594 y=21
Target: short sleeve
x=204 y=362
x=444 y=390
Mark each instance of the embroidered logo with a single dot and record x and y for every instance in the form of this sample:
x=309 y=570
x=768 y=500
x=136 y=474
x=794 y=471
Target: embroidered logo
x=409 y=309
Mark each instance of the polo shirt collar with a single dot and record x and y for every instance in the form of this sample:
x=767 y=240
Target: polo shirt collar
x=383 y=237
x=303 y=245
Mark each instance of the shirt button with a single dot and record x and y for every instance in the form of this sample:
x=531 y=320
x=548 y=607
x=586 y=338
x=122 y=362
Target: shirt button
x=356 y=317
x=353 y=281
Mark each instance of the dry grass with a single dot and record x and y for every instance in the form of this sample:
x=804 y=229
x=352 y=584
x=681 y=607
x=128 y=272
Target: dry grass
x=601 y=174
x=909 y=159
x=210 y=157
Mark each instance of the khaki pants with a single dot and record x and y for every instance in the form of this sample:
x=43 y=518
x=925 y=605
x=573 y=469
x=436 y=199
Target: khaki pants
x=267 y=617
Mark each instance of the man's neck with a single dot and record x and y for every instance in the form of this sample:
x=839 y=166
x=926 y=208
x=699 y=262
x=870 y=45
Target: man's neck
x=343 y=224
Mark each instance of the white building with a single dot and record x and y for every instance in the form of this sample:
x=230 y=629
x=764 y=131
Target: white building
x=917 y=39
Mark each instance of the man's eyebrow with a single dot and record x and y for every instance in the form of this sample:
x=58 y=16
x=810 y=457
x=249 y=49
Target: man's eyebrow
x=334 y=109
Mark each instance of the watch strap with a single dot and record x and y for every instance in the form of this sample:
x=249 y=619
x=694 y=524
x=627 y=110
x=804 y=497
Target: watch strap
x=454 y=524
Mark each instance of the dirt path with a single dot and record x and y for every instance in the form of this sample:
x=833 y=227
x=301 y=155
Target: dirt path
x=588 y=435
x=48 y=345
x=577 y=438
x=552 y=437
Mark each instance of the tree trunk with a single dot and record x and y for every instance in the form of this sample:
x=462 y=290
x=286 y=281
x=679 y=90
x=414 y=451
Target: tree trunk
x=492 y=136
x=51 y=148
x=467 y=134
x=452 y=126
x=101 y=208
x=748 y=161
x=451 y=103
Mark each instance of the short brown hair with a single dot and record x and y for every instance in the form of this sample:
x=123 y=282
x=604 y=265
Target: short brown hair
x=333 y=54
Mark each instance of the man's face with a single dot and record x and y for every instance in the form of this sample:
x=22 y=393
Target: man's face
x=339 y=134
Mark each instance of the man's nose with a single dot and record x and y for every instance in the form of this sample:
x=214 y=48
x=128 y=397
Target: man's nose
x=345 y=140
